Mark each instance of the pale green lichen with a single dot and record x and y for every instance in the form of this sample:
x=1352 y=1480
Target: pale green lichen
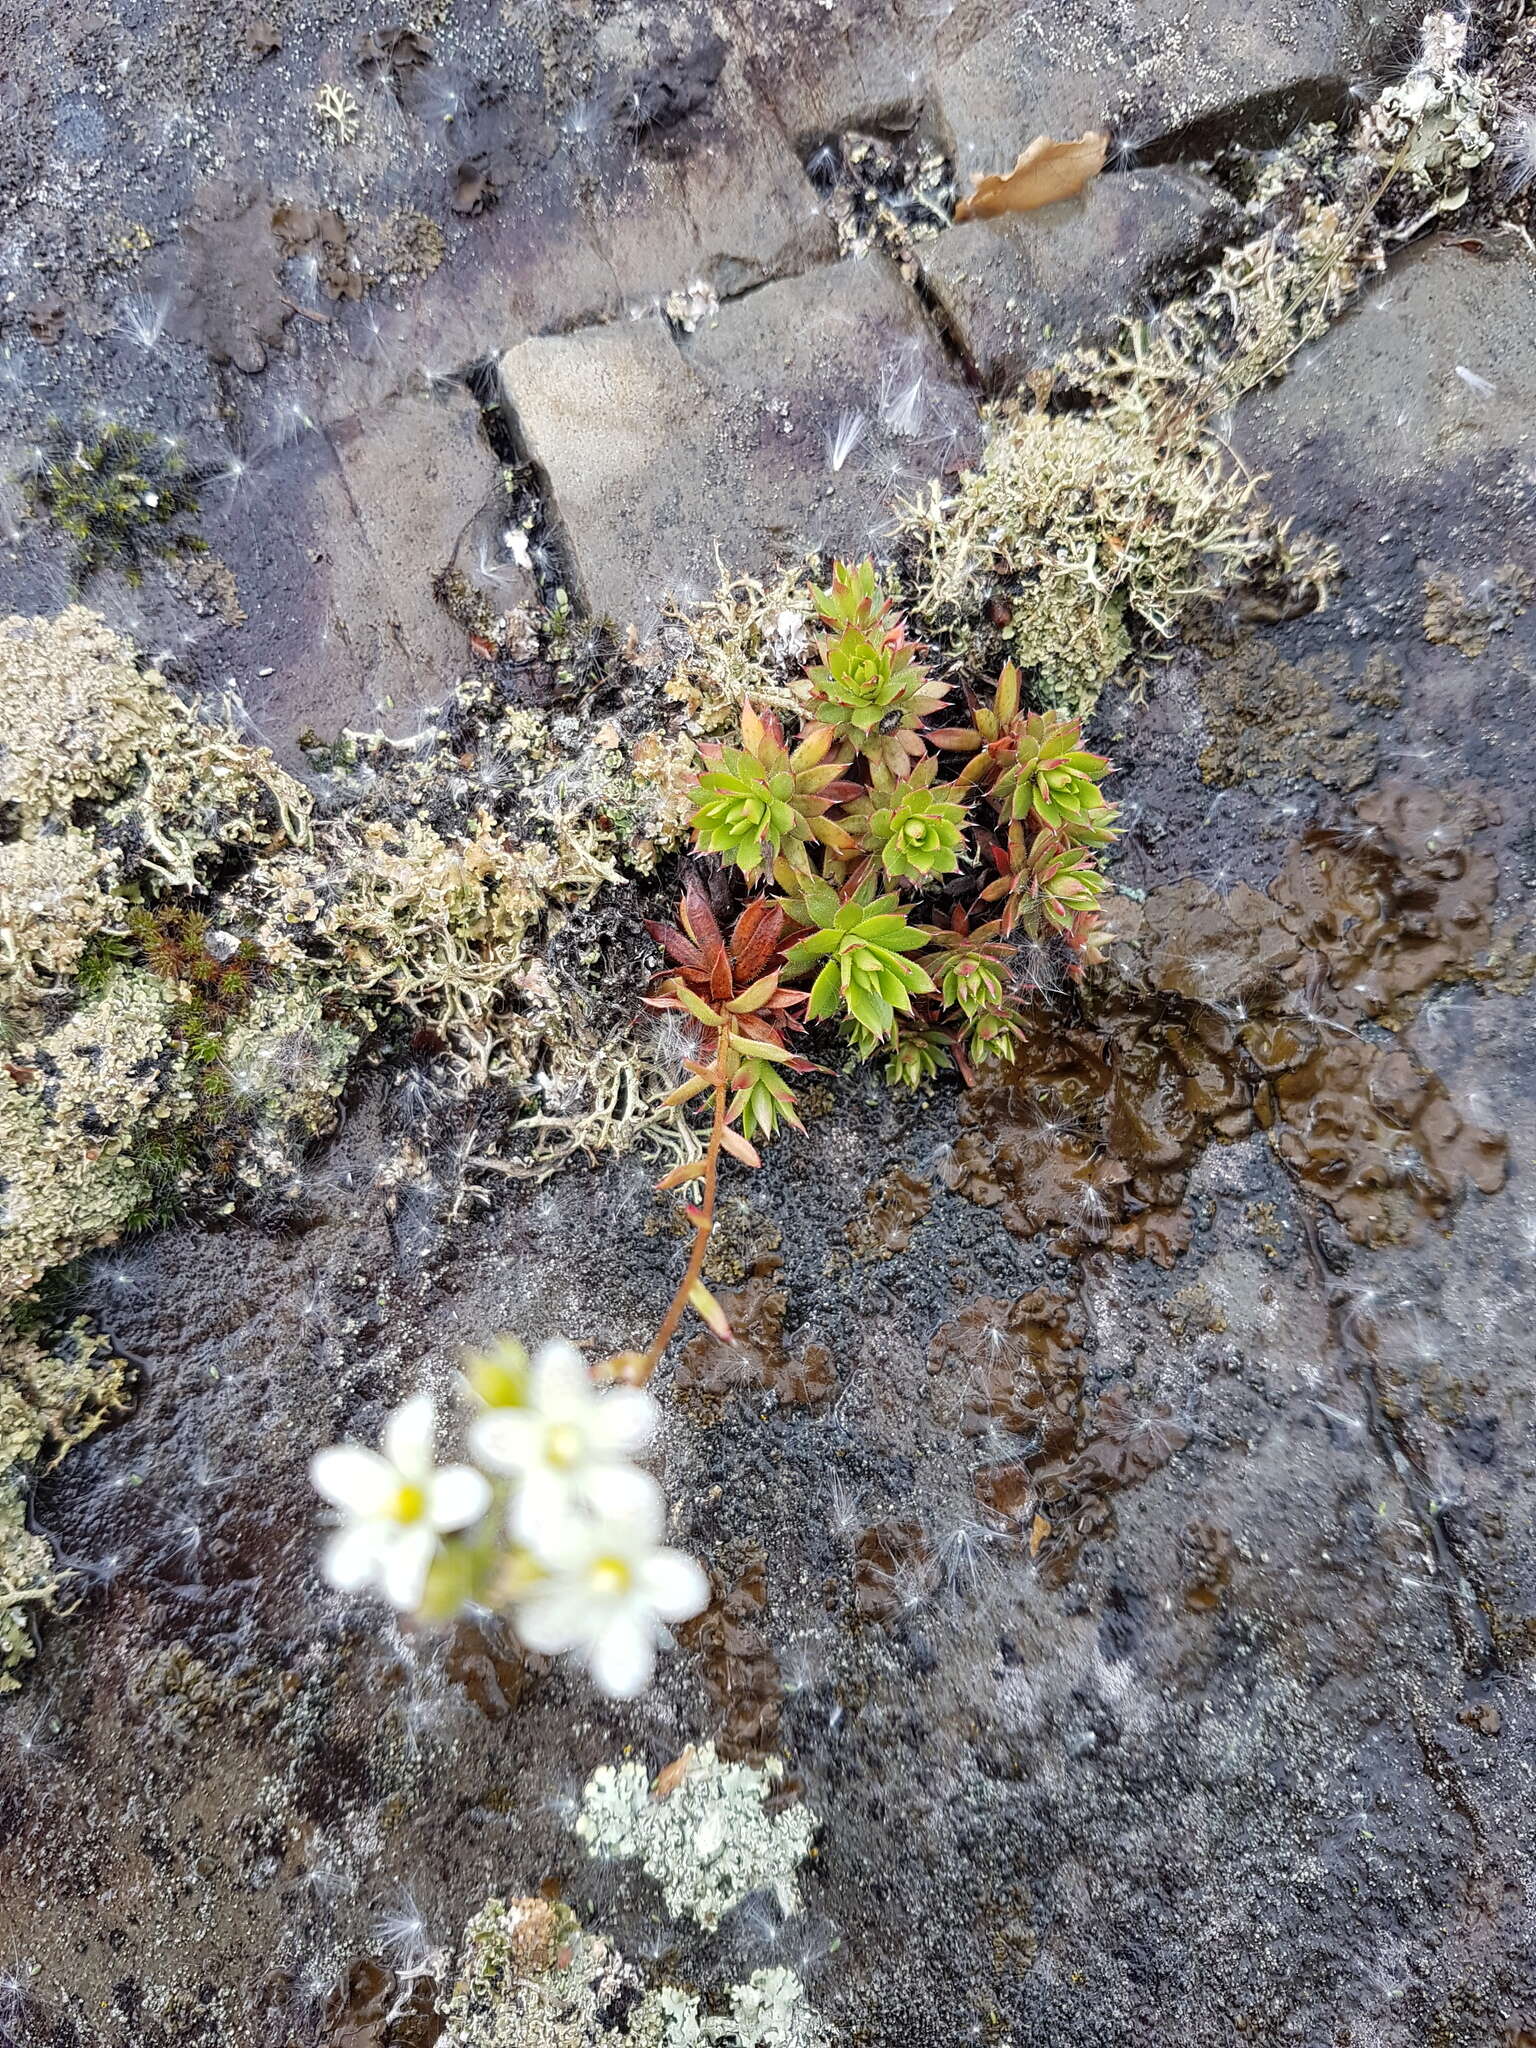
x=768 y=2011
x=747 y=644
x=85 y=725
x=145 y=847
x=75 y=1105
x=50 y=1400
x=530 y=1976
x=1082 y=522
x=29 y=1583
x=55 y=897
x=709 y=1840
x=286 y=1059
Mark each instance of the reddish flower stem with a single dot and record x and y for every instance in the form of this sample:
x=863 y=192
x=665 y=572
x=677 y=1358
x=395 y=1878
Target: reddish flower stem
x=702 y=1228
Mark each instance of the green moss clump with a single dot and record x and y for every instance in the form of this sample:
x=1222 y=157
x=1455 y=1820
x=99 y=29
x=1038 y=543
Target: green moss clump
x=121 y=495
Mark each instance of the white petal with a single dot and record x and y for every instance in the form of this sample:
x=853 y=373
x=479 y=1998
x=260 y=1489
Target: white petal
x=626 y=1419
x=408 y=1437
x=674 y=1585
x=358 y=1480
x=350 y=1559
x=403 y=1566
x=623 y=1657
x=457 y=1496
x=507 y=1439
x=556 y=1617
x=629 y=1502
x=562 y=1384
x=544 y=1515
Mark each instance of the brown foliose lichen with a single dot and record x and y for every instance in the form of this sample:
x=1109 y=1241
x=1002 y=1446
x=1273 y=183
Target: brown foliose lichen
x=1230 y=1010
x=736 y=1659
x=758 y=1358
x=894 y=1205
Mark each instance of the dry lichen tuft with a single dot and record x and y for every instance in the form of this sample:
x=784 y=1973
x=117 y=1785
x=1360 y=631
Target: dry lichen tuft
x=1079 y=526
x=50 y=1400
x=75 y=1105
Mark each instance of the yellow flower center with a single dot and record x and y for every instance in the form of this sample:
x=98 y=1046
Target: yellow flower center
x=410 y=1503
x=498 y=1385
x=610 y=1577
x=564 y=1445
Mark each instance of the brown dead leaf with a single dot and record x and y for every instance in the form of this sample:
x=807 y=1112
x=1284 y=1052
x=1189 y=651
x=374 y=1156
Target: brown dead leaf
x=672 y=1775
x=1046 y=172
x=1039 y=1529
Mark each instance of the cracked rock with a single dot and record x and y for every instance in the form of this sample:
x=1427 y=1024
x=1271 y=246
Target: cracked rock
x=1020 y=291
x=777 y=428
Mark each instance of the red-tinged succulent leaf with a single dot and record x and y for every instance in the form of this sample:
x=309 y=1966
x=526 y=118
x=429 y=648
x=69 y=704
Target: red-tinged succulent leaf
x=755 y=940
x=699 y=920
x=681 y=951
x=691 y=1169
x=704 y=1304
x=740 y=1148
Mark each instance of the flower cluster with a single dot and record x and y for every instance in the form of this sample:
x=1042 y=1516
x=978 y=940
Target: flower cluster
x=848 y=820
x=552 y=1521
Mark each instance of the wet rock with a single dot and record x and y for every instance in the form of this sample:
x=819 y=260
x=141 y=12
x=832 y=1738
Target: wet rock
x=760 y=433
x=1238 y=1007
x=757 y=1358
x=737 y=1661
x=1009 y=1366
x=1020 y=291
x=893 y=1208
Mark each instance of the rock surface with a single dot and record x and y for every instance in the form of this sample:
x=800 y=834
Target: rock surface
x=776 y=426
x=1017 y=293
x=1251 y=1760
x=1146 y=73
x=1435 y=368
x=338 y=537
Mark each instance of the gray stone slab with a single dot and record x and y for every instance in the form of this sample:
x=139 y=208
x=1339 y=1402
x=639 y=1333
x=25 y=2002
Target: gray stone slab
x=1435 y=369
x=822 y=75
x=1019 y=291
x=604 y=225
x=781 y=425
x=729 y=202
x=1144 y=71
x=335 y=541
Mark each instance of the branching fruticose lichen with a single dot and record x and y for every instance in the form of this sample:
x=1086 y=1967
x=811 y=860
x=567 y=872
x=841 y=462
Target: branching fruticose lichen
x=530 y=1976
x=50 y=1400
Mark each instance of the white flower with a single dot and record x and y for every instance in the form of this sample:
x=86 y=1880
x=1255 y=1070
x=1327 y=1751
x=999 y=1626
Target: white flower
x=397 y=1506
x=608 y=1590
x=569 y=1446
